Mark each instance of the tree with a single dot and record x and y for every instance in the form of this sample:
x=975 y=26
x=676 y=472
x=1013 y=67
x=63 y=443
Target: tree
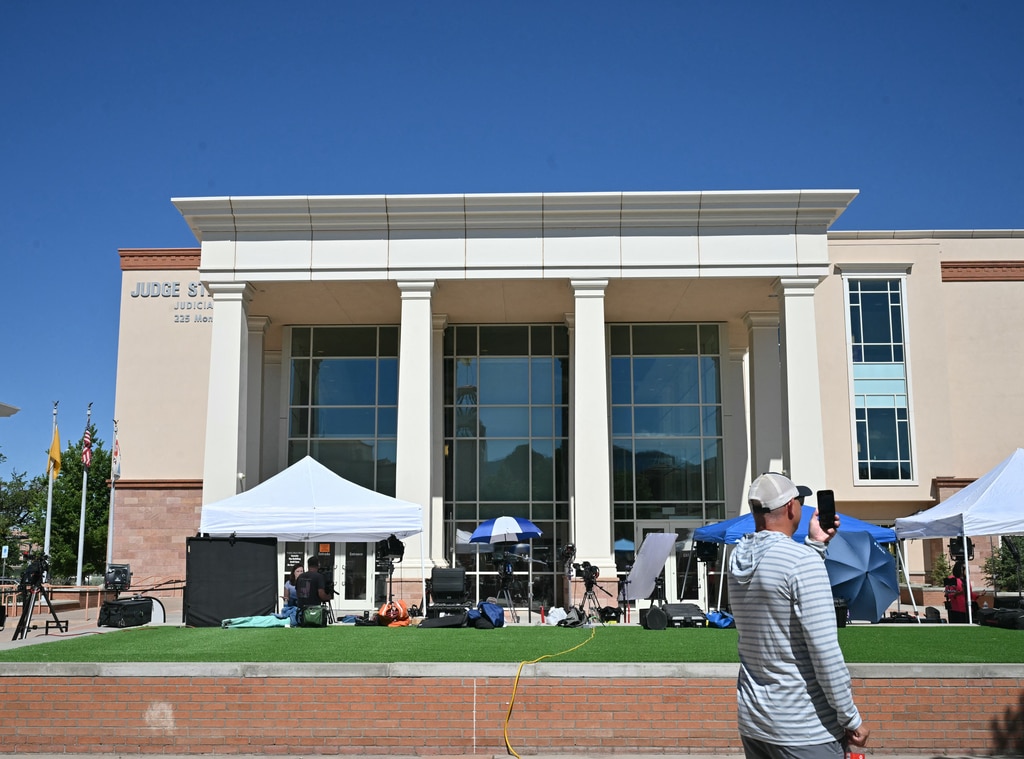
x=18 y=497
x=66 y=511
x=1003 y=568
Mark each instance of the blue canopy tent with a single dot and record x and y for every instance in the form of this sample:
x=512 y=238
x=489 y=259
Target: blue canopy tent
x=731 y=530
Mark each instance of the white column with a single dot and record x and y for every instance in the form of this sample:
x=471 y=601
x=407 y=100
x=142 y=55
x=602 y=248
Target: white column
x=275 y=431
x=590 y=433
x=803 y=437
x=414 y=454
x=224 y=455
x=257 y=326
x=437 y=556
x=765 y=391
x=736 y=430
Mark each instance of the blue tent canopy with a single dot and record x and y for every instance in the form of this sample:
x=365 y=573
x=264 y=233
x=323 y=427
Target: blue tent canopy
x=731 y=530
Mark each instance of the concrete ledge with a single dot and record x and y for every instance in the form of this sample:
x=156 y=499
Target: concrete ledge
x=476 y=670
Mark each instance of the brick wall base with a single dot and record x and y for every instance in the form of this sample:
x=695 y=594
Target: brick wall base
x=430 y=709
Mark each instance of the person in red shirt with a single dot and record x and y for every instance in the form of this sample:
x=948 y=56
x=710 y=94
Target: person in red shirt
x=957 y=593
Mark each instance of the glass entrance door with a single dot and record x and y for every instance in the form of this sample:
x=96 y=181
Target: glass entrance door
x=682 y=577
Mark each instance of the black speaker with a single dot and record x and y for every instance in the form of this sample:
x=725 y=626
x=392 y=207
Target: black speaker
x=956 y=549
x=653 y=618
x=705 y=551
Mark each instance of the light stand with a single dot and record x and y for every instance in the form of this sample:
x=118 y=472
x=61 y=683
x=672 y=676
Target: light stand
x=568 y=555
x=392 y=549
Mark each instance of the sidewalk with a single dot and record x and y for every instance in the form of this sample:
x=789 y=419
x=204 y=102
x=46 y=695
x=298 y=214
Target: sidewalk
x=81 y=621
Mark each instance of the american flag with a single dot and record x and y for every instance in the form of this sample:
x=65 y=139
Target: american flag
x=87 y=448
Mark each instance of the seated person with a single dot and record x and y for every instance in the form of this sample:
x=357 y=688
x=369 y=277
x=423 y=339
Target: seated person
x=311 y=586
x=289 y=585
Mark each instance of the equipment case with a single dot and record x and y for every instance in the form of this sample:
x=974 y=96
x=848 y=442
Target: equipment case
x=128 y=612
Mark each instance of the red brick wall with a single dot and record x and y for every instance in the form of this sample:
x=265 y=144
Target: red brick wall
x=465 y=715
x=151 y=523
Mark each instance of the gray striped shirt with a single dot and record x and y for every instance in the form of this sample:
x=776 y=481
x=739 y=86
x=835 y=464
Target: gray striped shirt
x=794 y=687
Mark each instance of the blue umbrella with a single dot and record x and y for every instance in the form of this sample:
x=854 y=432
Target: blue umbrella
x=505 y=530
x=623 y=544
x=731 y=530
x=863 y=573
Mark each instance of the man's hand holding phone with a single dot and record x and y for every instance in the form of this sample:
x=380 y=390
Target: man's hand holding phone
x=826 y=517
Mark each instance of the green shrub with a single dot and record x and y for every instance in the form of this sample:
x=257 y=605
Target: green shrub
x=940 y=570
x=1002 y=569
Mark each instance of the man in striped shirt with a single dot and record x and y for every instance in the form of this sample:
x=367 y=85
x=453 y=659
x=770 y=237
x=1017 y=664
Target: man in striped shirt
x=794 y=698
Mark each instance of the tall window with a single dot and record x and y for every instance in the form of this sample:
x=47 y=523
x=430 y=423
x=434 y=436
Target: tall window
x=506 y=402
x=343 y=402
x=667 y=458
x=878 y=368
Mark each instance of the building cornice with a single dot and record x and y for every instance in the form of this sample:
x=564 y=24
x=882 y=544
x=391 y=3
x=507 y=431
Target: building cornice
x=230 y=217
x=926 y=234
x=159 y=259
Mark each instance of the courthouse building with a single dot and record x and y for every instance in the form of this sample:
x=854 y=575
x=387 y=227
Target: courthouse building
x=605 y=364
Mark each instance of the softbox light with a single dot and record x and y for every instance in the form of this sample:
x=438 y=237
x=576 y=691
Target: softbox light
x=118 y=577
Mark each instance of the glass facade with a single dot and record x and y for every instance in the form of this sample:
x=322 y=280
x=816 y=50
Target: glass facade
x=506 y=417
x=343 y=402
x=666 y=424
x=880 y=389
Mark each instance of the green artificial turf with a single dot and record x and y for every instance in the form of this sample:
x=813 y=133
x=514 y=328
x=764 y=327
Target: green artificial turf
x=342 y=643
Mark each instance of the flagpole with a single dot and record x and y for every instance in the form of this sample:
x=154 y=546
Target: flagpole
x=86 y=460
x=49 y=485
x=115 y=475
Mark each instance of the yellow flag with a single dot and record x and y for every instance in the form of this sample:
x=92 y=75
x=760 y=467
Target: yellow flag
x=54 y=461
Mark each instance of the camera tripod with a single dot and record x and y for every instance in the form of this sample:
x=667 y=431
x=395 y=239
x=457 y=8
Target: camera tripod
x=589 y=606
x=505 y=591
x=29 y=596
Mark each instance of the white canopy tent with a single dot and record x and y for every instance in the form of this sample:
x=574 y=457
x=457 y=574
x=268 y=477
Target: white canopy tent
x=309 y=502
x=991 y=505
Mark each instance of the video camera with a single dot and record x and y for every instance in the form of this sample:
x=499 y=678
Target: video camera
x=329 y=584
x=588 y=572
x=36 y=568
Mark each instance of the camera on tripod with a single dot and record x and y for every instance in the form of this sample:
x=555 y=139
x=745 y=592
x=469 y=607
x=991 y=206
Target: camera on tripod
x=329 y=584
x=588 y=573
x=37 y=568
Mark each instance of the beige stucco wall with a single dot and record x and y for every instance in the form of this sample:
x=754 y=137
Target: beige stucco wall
x=163 y=375
x=967 y=401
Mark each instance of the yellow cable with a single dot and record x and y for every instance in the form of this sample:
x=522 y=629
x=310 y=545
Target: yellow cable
x=515 y=685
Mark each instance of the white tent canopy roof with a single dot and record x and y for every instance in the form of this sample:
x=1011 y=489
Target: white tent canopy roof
x=991 y=505
x=309 y=502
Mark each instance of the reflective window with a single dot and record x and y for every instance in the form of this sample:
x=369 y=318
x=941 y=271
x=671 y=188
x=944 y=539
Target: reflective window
x=343 y=401
x=880 y=388
x=506 y=406
x=666 y=423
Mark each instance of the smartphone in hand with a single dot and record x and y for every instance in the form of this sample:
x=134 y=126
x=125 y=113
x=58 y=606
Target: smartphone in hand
x=826 y=509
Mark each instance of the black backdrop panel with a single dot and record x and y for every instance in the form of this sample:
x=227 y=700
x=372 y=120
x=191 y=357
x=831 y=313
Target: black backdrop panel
x=226 y=578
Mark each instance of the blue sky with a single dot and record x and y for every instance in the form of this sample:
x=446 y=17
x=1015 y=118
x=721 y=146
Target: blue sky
x=109 y=109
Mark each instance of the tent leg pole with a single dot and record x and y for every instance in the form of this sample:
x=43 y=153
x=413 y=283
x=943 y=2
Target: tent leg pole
x=967 y=581
x=902 y=551
x=721 y=574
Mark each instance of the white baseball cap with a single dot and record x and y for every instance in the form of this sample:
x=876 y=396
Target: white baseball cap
x=772 y=491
